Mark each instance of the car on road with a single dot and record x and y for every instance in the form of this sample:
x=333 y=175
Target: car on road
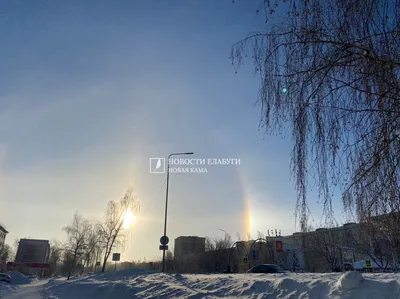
x=347 y=267
x=5 y=277
x=267 y=268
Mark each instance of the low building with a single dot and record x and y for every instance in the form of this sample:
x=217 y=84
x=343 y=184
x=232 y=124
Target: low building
x=325 y=249
x=189 y=253
x=189 y=245
x=3 y=234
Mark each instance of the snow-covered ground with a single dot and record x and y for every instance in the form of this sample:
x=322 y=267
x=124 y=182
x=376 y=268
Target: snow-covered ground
x=6 y=288
x=17 y=279
x=142 y=284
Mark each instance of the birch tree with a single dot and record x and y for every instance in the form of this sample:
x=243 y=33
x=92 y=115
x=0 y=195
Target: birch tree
x=77 y=233
x=323 y=245
x=56 y=251
x=330 y=74
x=118 y=219
x=92 y=242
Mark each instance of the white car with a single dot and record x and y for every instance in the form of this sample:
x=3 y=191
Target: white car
x=5 y=277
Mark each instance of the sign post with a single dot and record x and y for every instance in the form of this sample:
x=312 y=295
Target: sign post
x=368 y=264
x=245 y=262
x=164 y=240
x=116 y=257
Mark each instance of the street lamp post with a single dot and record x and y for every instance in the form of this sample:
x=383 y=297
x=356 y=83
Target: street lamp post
x=166 y=204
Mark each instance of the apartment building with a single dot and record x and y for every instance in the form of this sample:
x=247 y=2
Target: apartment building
x=32 y=257
x=3 y=234
x=33 y=251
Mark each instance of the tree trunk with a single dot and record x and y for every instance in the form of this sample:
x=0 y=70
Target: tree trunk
x=83 y=267
x=72 y=264
x=69 y=272
x=107 y=254
x=109 y=248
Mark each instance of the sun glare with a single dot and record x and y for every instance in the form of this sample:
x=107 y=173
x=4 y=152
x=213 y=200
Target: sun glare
x=128 y=219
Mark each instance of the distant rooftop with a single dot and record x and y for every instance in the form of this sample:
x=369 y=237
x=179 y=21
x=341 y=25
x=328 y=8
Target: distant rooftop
x=3 y=228
x=36 y=240
x=194 y=237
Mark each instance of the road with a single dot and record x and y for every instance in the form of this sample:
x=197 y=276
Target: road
x=28 y=291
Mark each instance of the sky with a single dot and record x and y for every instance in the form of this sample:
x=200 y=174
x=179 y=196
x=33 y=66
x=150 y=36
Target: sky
x=91 y=90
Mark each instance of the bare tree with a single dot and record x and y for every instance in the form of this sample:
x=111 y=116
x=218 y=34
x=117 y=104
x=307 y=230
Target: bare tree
x=218 y=243
x=66 y=263
x=6 y=255
x=216 y=258
x=323 y=245
x=56 y=250
x=329 y=72
x=378 y=238
x=77 y=233
x=15 y=246
x=92 y=244
x=98 y=252
x=238 y=236
x=112 y=230
x=170 y=262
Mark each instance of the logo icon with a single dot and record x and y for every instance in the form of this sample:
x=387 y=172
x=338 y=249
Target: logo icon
x=157 y=165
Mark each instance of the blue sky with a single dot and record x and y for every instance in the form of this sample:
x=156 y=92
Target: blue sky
x=90 y=90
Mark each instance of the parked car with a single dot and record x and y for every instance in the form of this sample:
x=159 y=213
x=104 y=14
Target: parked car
x=267 y=268
x=347 y=267
x=5 y=277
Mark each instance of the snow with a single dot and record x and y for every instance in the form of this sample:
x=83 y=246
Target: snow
x=350 y=280
x=6 y=288
x=34 y=290
x=143 y=284
x=17 y=278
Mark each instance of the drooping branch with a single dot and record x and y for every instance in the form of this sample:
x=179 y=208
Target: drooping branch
x=330 y=72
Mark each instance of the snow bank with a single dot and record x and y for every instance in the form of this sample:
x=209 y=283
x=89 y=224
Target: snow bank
x=144 y=284
x=5 y=288
x=18 y=278
x=349 y=280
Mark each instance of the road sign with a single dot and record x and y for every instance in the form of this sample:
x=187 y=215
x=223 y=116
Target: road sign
x=279 y=246
x=245 y=260
x=116 y=257
x=368 y=264
x=97 y=264
x=163 y=247
x=164 y=240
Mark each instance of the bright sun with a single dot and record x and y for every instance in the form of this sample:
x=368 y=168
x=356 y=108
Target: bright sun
x=128 y=219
